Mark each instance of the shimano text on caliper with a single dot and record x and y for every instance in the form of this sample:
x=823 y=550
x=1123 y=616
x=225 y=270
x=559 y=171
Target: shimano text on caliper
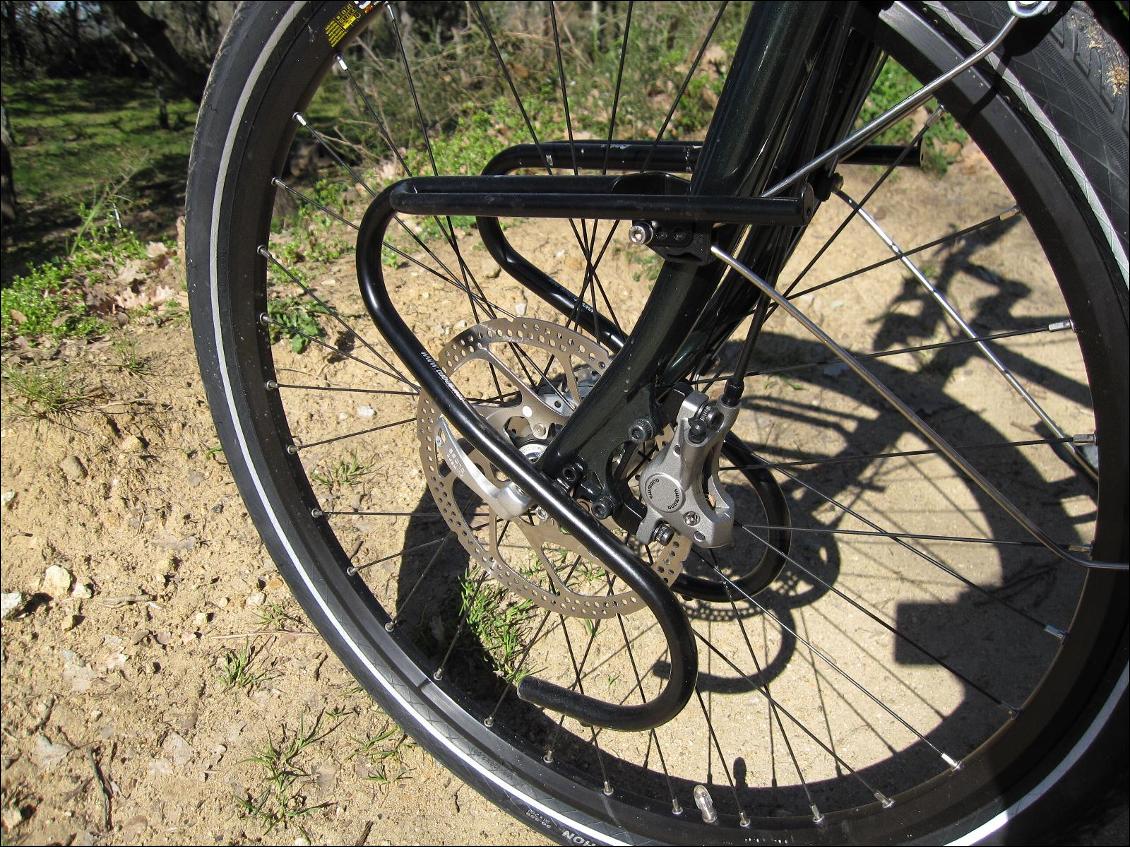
x=680 y=486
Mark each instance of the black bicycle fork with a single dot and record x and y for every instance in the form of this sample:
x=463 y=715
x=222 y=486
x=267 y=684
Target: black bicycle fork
x=796 y=83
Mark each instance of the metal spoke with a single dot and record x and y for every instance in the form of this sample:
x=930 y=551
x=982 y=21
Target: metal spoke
x=901 y=454
x=298 y=447
x=1051 y=630
x=465 y=271
x=895 y=535
x=778 y=707
x=670 y=114
x=945 y=757
x=466 y=610
x=927 y=431
x=1012 y=710
x=483 y=22
x=937 y=242
x=267 y=320
x=931 y=119
x=1055 y=326
x=424 y=546
x=395 y=621
x=293 y=277
x=345 y=389
x=955 y=316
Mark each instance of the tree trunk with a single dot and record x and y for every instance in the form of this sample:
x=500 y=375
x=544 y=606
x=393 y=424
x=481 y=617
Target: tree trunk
x=186 y=79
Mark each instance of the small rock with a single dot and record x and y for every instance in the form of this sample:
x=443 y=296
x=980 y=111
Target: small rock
x=73 y=468
x=194 y=478
x=256 y=599
x=365 y=411
x=186 y=721
x=6 y=498
x=12 y=816
x=201 y=619
x=275 y=583
x=46 y=753
x=57 y=581
x=82 y=591
x=10 y=602
x=493 y=273
x=520 y=308
x=131 y=444
x=70 y=622
x=163 y=638
x=177 y=749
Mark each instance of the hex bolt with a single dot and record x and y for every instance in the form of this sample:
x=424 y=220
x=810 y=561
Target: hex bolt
x=571 y=473
x=641 y=232
x=691 y=518
x=664 y=534
x=642 y=430
x=603 y=507
x=711 y=416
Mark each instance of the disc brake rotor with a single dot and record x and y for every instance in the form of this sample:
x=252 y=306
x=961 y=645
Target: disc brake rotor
x=517 y=543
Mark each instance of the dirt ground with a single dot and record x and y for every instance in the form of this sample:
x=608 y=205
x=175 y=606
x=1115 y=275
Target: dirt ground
x=156 y=667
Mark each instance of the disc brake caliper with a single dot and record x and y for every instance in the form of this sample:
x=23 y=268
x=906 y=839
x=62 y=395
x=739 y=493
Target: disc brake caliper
x=680 y=486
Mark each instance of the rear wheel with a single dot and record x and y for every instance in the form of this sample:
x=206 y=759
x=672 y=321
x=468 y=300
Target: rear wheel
x=917 y=669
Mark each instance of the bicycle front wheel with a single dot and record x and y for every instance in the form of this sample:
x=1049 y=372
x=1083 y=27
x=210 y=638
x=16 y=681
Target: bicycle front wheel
x=908 y=666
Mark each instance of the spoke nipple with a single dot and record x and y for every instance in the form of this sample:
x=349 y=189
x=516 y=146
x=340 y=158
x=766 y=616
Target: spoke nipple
x=886 y=801
x=1061 y=325
x=676 y=809
x=264 y=318
x=276 y=181
x=548 y=757
x=390 y=626
x=949 y=760
x=298 y=117
x=351 y=571
x=1010 y=213
x=488 y=721
x=341 y=62
x=1084 y=438
x=438 y=674
x=705 y=804
x=817 y=815
x=314 y=513
x=271 y=385
x=607 y=788
x=1055 y=630
x=1013 y=712
x=262 y=248
x=292 y=449
x=743 y=820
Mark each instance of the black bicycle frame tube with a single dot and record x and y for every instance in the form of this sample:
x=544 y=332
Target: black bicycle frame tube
x=759 y=97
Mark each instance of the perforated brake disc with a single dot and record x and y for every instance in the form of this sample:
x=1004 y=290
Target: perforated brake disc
x=506 y=533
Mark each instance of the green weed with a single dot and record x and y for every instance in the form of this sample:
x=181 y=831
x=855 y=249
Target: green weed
x=236 y=670
x=279 y=801
x=296 y=319
x=48 y=393
x=275 y=616
x=127 y=358
x=383 y=751
x=343 y=473
x=500 y=621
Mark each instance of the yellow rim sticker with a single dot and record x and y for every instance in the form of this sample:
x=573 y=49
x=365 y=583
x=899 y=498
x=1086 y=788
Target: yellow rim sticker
x=344 y=20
